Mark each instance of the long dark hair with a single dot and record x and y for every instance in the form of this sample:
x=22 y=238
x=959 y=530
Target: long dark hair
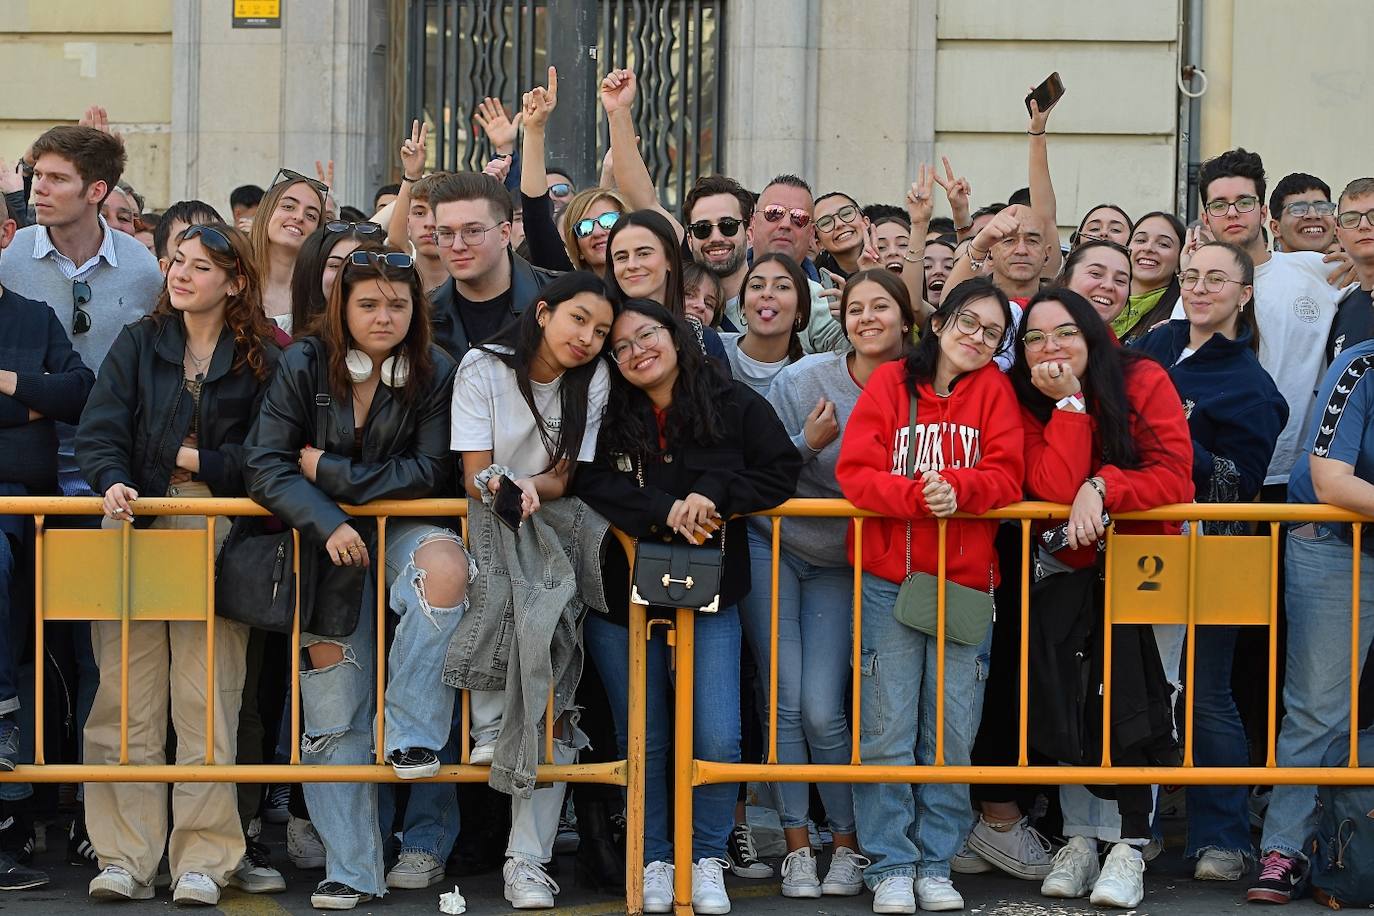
x=1077 y=235
x=694 y=415
x=896 y=291
x=1104 y=382
x=657 y=223
x=923 y=359
x=332 y=328
x=243 y=314
x=517 y=345
x=1077 y=256
x=307 y=297
x=803 y=288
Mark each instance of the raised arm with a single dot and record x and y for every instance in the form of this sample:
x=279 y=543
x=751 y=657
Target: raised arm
x=412 y=170
x=919 y=204
x=632 y=176
x=1007 y=222
x=1041 y=188
x=957 y=191
x=541 y=232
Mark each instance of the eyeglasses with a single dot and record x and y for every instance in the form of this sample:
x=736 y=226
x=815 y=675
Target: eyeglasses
x=561 y=189
x=845 y=214
x=968 y=324
x=585 y=227
x=1242 y=204
x=81 y=296
x=289 y=176
x=729 y=227
x=471 y=235
x=1350 y=219
x=1213 y=281
x=342 y=225
x=641 y=341
x=380 y=259
x=1301 y=208
x=774 y=214
x=1063 y=335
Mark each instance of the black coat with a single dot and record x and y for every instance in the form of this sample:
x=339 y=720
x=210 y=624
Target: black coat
x=405 y=447
x=753 y=467
x=139 y=412
x=526 y=281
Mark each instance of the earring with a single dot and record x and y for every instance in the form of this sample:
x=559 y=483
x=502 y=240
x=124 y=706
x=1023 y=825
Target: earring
x=395 y=371
x=359 y=366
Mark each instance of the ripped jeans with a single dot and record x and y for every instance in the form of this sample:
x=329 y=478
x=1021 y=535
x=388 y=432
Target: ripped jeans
x=339 y=705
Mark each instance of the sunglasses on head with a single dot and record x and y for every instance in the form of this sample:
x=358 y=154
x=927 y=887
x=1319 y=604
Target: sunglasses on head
x=381 y=259
x=81 y=296
x=210 y=237
x=774 y=214
x=585 y=227
x=701 y=229
x=292 y=177
x=342 y=225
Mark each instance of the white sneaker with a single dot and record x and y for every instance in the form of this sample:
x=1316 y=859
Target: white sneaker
x=303 y=844
x=1020 y=852
x=528 y=886
x=482 y=754
x=896 y=894
x=1122 y=882
x=845 y=876
x=799 y=874
x=1073 y=870
x=968 y=862
x=415 y=869
x=1221 y=865
x=708 y=886
x=115 y=883
x=195 y=889
x=255 y=874
x=938 y=894
x=658 y=887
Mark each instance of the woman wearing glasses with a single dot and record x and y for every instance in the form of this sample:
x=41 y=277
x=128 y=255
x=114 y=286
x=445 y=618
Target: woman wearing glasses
x=776 y=309
x=323 y=254
x=385 y=419
x=168 y=416
x=842 y=230
x=292 y=209
x=960 y=451
x=682 y=448
x=1104 y=431
x=587 y=223
x=1235 y=413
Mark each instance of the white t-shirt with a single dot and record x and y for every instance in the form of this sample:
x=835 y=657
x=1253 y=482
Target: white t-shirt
x=1294 y=305
x=757 y=374
x=490 y=414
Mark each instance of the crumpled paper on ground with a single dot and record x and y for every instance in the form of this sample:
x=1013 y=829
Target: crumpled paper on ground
x=453 y=902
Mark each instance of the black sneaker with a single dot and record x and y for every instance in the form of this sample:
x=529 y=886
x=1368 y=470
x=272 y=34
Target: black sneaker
x=414 y=762
x=1279 y=879
x=9 y=743
x=16 y=877
x=79 y=848
x=17 y=839
x=335 y=895
x=744 y=861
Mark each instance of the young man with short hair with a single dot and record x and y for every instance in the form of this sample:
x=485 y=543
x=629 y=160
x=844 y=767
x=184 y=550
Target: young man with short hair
x=1301 y=214
x=1354 y=321
x=243 y=204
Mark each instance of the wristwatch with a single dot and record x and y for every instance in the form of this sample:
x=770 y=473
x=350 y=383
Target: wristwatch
x=1073 y=402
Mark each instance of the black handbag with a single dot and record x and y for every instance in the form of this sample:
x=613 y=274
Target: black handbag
x=677 y=575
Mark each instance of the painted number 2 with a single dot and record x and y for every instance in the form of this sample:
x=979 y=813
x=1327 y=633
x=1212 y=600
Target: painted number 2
x=1150 y=567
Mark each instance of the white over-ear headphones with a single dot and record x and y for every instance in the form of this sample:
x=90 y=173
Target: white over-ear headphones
x=395 y=369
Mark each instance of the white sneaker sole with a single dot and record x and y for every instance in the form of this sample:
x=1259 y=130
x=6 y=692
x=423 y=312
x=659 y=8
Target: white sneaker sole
x=307 y=863
x=109 y=890
x=801 y=890
x=482 y=755
x=258 y=885
x=942 y=906
x=1108 y=900
x=530 y=903
x=194 y=896
x=894 y=907
x=337 y=903
x=412 y=880
x=1062 y=891
x=710 y=909
x=842 y=890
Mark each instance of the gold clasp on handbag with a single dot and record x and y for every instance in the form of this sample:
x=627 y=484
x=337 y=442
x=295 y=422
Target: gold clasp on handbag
x=668 y=580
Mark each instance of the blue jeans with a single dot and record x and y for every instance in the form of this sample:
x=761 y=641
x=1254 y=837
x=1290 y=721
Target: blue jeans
x=913 y=830
x=715 y=730
x=431 y=817
x=1218 y=816
x=815 y=627
x=1316 y=693
x=339 y=704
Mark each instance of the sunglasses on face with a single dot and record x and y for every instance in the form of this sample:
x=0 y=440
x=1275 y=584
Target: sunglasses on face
x=363 y=228
x=561 y=189
x=288 y=175
x=729 y=227
x=381 y=259
x=845 y=214
x=81 y=296
x=774 y=214
x=585 y=227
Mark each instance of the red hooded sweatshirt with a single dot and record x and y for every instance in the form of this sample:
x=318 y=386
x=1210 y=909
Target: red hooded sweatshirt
x=1064 y=452
x=972 y=438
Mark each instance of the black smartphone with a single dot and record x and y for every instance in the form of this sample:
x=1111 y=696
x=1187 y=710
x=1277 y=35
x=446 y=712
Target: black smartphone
x=508 y=503
x=1047 y=93
x=1057 y=538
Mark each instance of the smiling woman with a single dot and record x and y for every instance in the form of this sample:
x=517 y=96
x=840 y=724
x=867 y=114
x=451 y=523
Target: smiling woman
x=777 y=306
x=290 y=211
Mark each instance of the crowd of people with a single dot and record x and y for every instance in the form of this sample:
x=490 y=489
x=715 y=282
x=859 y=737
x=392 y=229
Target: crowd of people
x=575 y=359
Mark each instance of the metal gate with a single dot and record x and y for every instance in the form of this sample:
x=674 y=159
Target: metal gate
x=460 y=51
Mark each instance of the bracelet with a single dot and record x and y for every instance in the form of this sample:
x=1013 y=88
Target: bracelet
x=484 y=477
x=1036 y=133
x=1101 y=491
x=977 y=263
x=405 y=177
x=958 y=229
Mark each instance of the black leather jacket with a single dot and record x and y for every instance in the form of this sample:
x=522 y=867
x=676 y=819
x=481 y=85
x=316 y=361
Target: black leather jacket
x=526 y=281
x=405 y=447
x=139 y=412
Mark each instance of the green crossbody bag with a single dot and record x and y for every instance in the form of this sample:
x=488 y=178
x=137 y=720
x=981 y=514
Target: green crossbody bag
x=968 y=611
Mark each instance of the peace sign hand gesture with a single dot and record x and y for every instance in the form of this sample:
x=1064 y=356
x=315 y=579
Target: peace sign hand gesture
x=919 y=201
x=413 y=150
x=957 y=191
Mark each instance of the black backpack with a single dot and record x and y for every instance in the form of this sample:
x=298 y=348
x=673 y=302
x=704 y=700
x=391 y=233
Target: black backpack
x=1343 y=870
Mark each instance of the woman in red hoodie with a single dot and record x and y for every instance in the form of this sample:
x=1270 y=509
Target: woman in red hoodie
x=966 y=437
x=1104 y=429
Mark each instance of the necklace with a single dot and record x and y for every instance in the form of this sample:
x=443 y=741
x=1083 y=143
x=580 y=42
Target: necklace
x=198 y=363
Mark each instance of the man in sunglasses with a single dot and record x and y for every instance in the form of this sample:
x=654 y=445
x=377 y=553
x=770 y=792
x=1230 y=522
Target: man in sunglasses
x=716 y=215
x=1301 y=214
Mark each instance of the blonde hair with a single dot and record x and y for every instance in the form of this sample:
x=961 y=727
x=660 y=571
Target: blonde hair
x=573 y=213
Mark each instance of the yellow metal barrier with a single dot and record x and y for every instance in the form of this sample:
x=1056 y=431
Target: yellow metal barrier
x=1150 y=579
x=128 y=574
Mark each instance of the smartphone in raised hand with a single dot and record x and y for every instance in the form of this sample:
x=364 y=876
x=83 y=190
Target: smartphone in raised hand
x=1047 y=94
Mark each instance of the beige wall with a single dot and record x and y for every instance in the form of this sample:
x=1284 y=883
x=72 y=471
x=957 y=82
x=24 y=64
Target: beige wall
x=63 y=55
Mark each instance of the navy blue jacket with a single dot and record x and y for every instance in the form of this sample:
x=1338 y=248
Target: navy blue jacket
x=1234 y=410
